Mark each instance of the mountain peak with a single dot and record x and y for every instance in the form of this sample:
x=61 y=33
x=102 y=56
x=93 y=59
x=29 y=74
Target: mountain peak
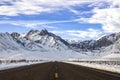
x=43 y=32
x=15 y=34
x=32 y=32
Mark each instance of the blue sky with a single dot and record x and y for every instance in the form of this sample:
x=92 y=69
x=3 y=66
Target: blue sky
x=70 y=19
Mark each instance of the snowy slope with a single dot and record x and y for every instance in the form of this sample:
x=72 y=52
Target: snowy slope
x=105 y=48
x=40 y=40
x=89 y=45
x=41 y=44
x=50 y=55
x=47 y=39
x=112 y=52
x=7 y=42
x=36 y=45
x=4 y=66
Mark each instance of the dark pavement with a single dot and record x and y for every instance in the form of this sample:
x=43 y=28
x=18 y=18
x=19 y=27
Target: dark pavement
x=56 y=71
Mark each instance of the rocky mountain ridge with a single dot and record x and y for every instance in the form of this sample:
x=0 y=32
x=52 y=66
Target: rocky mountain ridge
x=89 y=45
x=43 y=44
x=36 y=40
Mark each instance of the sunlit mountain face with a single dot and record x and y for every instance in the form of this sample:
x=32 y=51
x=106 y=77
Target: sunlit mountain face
x=42 y=44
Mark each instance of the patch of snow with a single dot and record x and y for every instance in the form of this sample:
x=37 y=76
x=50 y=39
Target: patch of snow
x=52 y=54
x=112 y=57
x=112 y=68
x=4 y=66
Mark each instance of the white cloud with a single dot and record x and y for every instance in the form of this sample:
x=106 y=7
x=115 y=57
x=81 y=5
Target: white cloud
x=58 y=32
x=34 y=23
x=108 y=17
x=80 y=34
x=8 y=10
x=73 y=11
x=115 y=3
x=30 y=7
x=90 y=33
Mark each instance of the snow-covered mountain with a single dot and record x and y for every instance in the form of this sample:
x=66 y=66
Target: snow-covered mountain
x=47 y=39
x=40 y=40
x=107 y=47
x=7 y=42
x=43 y=44
x=35 y=45
x=89 y=45
x=112 y=52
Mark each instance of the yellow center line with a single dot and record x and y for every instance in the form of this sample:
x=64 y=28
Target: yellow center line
x=56 y=75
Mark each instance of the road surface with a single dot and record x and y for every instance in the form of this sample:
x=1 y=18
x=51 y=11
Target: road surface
x=56 y=71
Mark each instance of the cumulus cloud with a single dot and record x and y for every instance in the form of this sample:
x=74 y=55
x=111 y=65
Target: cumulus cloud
x=108 y=17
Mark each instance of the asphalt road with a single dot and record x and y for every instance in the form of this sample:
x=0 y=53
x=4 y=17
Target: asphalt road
x=56 y=71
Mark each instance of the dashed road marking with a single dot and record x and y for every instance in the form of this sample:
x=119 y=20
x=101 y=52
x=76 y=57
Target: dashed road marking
x=56 y=76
